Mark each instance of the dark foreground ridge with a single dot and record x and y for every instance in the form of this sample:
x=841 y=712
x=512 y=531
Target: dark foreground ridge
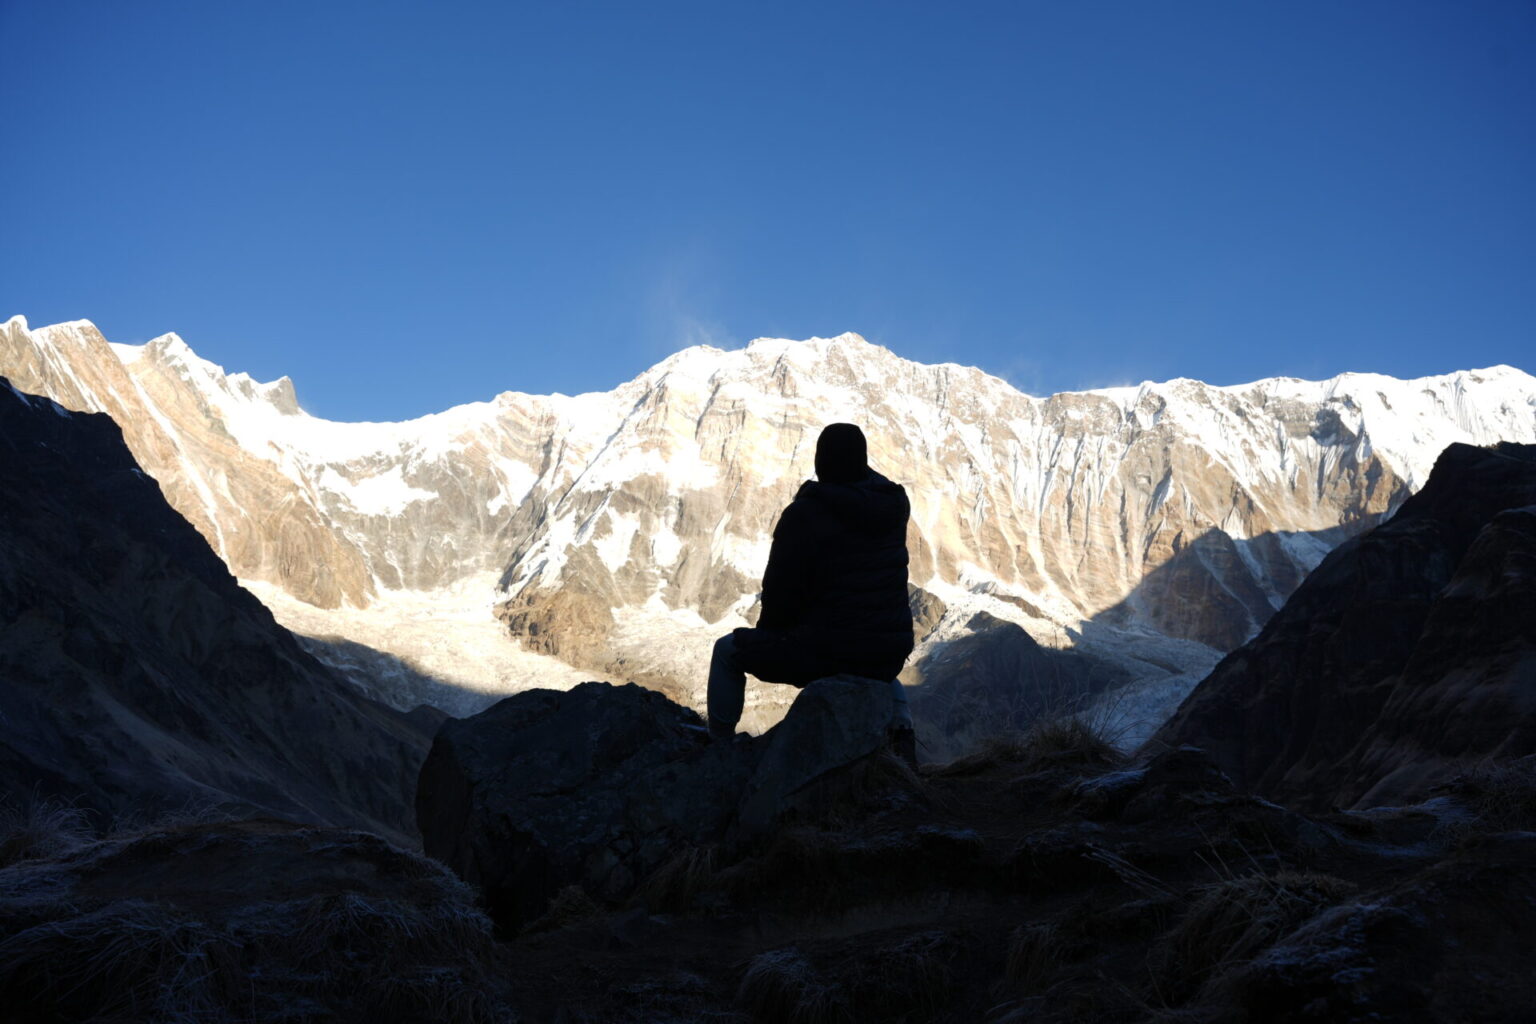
x=1044 y=879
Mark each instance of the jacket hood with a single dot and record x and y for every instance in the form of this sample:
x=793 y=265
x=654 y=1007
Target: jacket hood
x=871 y=505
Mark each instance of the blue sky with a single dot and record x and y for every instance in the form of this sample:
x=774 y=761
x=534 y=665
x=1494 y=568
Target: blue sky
x=404 y=206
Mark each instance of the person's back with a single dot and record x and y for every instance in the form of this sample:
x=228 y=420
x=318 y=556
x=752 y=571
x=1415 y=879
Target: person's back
x=837 y=575
x=834 y=596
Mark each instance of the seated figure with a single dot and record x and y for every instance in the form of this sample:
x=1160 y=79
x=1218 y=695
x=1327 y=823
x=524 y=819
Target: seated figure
x=834 y=593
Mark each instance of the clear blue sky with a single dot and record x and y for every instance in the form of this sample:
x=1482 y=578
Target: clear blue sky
x=409 y=205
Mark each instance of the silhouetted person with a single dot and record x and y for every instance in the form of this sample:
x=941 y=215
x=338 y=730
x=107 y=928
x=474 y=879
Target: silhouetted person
x=834 y=592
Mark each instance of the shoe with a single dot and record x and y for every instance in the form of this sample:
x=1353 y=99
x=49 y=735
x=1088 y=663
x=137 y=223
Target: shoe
x=903 y=742
x=722 y=733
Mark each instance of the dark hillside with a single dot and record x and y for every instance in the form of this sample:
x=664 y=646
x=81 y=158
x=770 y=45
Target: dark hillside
x=137 y=677
x=1408 y=653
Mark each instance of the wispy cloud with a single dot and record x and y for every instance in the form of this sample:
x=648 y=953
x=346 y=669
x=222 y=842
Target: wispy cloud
x=681 y=299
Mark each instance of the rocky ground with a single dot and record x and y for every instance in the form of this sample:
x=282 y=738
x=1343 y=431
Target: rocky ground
x=1045 y=878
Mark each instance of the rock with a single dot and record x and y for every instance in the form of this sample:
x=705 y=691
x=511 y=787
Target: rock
x=1370 y=649
x=833 y=723
x=597 y=786
x=601 y=786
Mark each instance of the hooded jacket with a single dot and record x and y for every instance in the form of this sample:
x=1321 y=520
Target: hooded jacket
x=837 y=574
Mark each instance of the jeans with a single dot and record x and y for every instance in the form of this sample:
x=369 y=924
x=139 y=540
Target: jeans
x=728 y=689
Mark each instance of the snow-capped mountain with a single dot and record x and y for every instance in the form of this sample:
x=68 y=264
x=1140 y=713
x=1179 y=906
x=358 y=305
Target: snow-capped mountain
x=618 y=533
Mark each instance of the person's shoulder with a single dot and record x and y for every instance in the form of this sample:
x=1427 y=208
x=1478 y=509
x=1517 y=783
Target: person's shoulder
x=808 y=511
x=799 y=506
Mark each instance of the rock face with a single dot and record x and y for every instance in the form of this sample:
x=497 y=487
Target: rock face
x=1408 y=653
x=1153 y=526
x=603 y=786
x=1467 y=693
x=139 y=677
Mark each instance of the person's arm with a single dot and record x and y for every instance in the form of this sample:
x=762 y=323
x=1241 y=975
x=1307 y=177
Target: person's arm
x=787 y=579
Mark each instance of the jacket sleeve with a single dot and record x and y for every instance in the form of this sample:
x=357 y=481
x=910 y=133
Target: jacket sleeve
x=787 y=581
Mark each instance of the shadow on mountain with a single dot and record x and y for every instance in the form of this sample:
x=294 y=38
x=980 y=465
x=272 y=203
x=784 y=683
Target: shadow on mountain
x=997 y=680
x=394 y=681
x=1218 y=590
x=1129 y=666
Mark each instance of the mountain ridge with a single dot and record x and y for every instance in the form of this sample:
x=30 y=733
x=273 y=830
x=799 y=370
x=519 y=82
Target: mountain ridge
x=627 y=527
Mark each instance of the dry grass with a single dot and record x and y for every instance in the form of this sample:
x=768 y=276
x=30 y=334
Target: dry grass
x=909 y=980
x=1233 y=920
x=901 y=982
x=570 y=906
x=880 y=781
x=678 y=882
x=1069 y=742
x=1500 y=796
x=782 y=986
x=41 y=828
x=1034 y=958
x=808 y=866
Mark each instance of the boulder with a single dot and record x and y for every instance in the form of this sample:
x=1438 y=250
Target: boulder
x=601 y=785
x=834 y=722
x=595 y=785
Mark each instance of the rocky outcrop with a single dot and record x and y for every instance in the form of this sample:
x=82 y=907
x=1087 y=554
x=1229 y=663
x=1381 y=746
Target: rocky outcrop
x=1054 y=881
x=1407 y=653
x=1468 y=689
x=139 y=677
x=602 y=787
x=832 y=724
x=1435 y=947
x=597 y=785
